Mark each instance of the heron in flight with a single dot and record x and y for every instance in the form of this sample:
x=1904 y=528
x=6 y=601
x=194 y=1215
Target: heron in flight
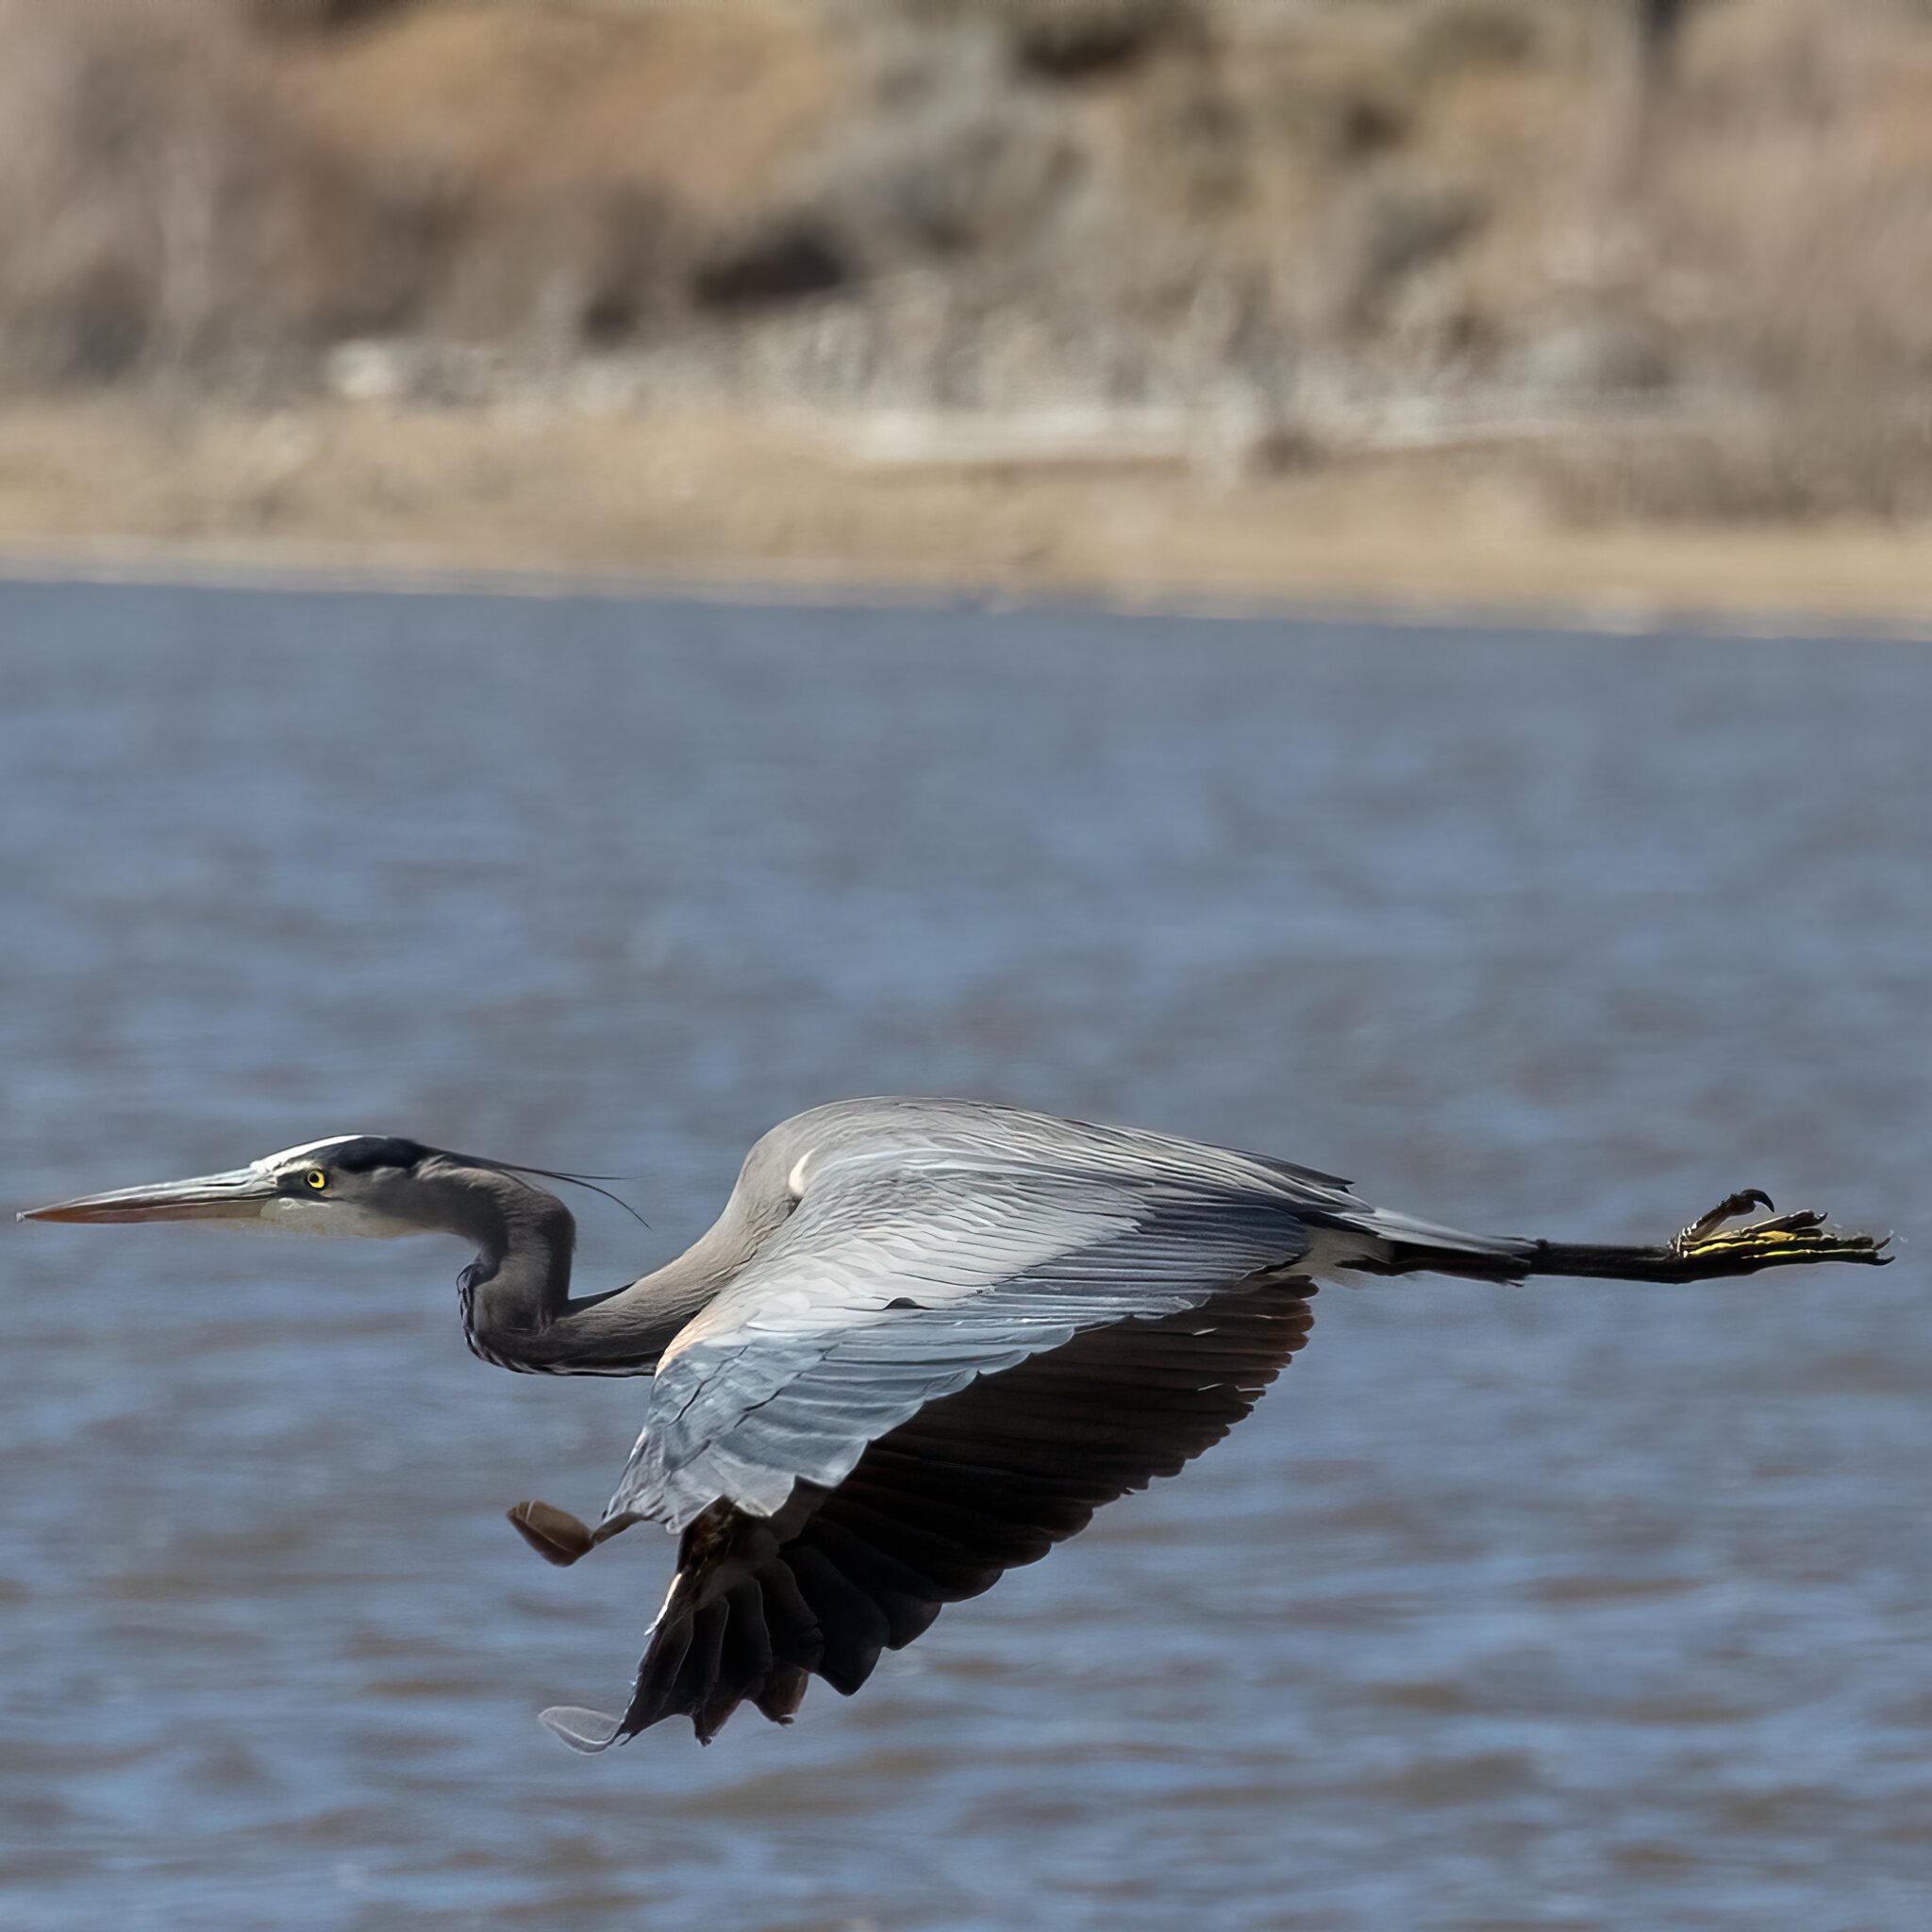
x=922 y=1344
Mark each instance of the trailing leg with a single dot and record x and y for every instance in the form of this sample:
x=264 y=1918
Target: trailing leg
x=1711 y=1248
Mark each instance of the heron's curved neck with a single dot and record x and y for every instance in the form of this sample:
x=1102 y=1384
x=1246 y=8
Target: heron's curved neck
x=518 y=1286
x=517 y=1307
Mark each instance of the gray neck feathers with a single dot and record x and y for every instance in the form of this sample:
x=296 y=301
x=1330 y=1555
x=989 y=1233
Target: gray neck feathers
x=518 y=1286
x=515 y=1296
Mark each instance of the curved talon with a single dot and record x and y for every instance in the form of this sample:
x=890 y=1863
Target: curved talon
x=556 y=1535
x=1727 y=1209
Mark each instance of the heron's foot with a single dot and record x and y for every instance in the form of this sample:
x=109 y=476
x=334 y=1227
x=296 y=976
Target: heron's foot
x=1775 y=1238
x=556 y=1535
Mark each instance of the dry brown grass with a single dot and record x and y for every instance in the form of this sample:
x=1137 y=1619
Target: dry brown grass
x=1010 y=202
x=1789 y=191
x=179 y=191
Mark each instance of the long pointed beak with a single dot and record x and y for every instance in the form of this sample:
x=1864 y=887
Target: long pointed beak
x=237 y=1195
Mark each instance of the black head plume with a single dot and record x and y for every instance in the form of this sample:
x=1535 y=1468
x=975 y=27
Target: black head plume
x=591 y=1181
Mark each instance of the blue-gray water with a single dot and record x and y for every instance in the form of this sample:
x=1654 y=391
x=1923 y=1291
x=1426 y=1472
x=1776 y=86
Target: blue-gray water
x=1575 y=1606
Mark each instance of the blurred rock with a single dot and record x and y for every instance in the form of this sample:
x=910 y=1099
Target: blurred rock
x=1597 y=357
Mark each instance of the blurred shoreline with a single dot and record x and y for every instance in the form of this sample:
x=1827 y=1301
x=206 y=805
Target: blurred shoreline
x=527 y=499
x=1617 y=309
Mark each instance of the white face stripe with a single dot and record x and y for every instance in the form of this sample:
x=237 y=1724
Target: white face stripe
x=270 y=1163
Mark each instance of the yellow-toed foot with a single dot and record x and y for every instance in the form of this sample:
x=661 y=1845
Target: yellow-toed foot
x=1776 y=1239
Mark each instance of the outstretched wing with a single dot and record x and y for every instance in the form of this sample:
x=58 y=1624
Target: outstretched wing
x=889 y=1288
x=926 y=1378
x=977 y=1483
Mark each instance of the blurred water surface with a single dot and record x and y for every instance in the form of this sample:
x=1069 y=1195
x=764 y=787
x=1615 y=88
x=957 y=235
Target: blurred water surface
x=1581 y=1606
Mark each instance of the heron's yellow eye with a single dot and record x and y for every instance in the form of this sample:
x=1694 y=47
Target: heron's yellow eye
x=316 y=1180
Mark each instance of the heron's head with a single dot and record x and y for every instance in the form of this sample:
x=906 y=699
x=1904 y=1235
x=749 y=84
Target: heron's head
x=354 y=1184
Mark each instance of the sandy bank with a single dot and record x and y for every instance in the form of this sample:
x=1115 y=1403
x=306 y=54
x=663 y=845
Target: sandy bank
x=696 y=499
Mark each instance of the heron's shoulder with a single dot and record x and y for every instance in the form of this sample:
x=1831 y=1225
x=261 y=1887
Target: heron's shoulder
x=922 y=1133
x=917 y=1124
x=877 y=1126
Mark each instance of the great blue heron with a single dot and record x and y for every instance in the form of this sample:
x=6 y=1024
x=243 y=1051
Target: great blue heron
x=922 y=1343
